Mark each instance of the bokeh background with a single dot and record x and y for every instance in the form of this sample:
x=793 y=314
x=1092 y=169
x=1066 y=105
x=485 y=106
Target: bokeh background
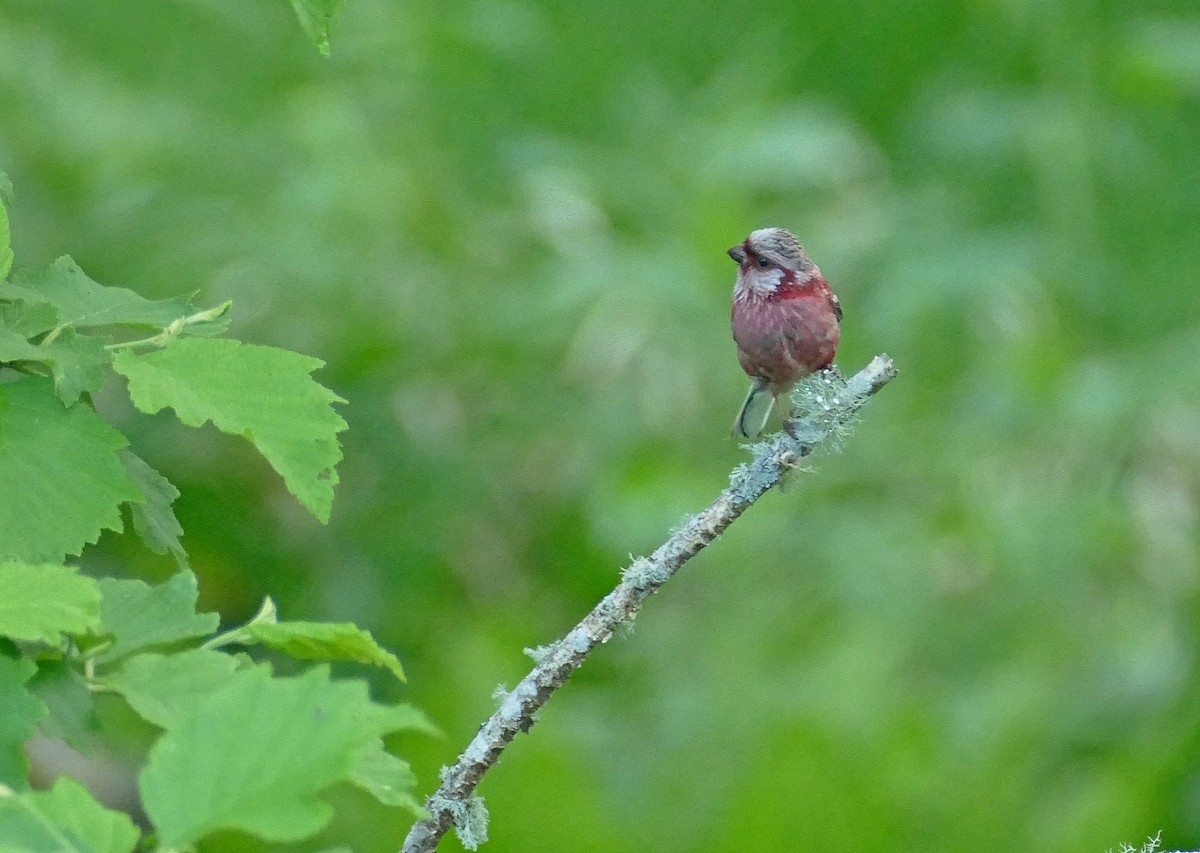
x=502 y=225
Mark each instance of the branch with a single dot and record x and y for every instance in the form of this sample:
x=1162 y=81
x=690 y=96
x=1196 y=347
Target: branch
x=832 y=404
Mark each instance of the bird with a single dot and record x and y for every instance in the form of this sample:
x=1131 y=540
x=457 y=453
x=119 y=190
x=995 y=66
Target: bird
x=785 y=319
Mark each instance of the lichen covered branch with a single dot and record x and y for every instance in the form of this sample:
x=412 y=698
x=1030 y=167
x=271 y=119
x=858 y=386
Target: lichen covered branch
x=829 y=407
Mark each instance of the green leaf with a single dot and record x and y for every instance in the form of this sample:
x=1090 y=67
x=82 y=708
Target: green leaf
x=61 y=479
x=317 y=17
x=70 y=703
x=320 y=641
x=387 y=778
x=6 y=252
x=84 y=303
x=65 y=819
x=27 y=319
x=210 y=322
x=140 y=615
x=76 y=361
x=164 y=689
x=255 y=756
x=153 y=519
x=44 y=602
x=262 y=393
x=20 y=711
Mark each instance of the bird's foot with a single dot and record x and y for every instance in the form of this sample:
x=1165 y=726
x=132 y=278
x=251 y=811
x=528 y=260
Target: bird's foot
x=789 y=426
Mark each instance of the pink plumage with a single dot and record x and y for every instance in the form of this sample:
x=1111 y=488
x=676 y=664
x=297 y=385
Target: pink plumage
x=785 y=320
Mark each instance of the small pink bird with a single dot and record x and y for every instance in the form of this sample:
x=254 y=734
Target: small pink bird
x=785 y=321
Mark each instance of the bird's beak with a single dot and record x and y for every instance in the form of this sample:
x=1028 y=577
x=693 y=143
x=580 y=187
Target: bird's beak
x=738 y=254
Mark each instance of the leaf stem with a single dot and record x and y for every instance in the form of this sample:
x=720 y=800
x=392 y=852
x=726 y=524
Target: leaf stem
x=171 y=330
x=267 y=614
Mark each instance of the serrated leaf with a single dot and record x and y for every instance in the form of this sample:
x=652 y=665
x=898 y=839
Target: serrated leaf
x=255 y=756
x=317 y=18
x=84 y=303
x=261 y=393
x=61 y=479
x=45 y=602
x=65 y=819
x=68 y=700
x=20 y=712
x=76 y=361
x=321 y=641
x=141 y=616
x=163 y=689
x=153 y=519
x=387 y=778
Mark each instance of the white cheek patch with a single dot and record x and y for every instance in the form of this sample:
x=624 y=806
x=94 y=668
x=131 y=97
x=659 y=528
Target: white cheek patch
x=764 y=281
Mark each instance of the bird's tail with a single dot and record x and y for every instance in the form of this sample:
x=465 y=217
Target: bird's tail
x=755 y=411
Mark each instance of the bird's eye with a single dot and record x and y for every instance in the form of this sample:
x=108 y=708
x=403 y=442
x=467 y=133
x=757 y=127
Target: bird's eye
x=764 y=263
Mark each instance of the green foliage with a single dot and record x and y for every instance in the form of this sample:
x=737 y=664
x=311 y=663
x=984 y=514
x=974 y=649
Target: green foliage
x=65 y=819
x=60 y=472
x=139 y=616
x=75 y=361
x=313 y=640
x=68 y=473
x=20 y=712
x=261 y=393
x=45 y=602
x=214 y=769
x=227 y=744
x=317 y=17
x=387 y=778
x=153 y=518
x=69 y=701
x=211 y=768
x=322 y=641
x=165 y=688
x=78 y=302
x=6 y=253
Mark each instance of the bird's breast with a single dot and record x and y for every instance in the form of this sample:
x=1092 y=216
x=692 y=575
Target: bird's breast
x=786 y=335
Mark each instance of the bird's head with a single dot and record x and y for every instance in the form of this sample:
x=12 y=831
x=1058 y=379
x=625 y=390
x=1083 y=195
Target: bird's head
x=770 y=257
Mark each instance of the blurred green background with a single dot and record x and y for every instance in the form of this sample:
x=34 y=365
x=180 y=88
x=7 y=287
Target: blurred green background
x=502 y=225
